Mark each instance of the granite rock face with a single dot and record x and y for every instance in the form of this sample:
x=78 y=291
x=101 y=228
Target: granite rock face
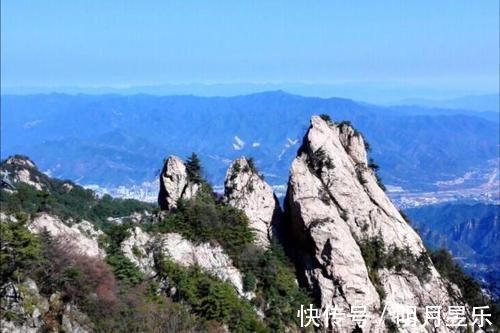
x=81 y=238
x=35 y=313
x=20 y=169
x=140 y=248
x=334 y=203
x=175 y=184
x=245 y=189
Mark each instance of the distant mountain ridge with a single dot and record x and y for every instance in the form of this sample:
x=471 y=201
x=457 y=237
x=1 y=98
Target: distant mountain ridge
x=384 y=93
x=106 y=139
x=490 y=102
x=470 y=231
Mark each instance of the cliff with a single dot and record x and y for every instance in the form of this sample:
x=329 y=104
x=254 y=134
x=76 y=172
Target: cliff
x=352 y=246
x=221 y=259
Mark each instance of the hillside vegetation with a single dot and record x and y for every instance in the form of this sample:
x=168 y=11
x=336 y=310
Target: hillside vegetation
x=112 y=293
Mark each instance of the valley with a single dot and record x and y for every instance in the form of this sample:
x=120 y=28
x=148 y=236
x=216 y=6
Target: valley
x=481 y=185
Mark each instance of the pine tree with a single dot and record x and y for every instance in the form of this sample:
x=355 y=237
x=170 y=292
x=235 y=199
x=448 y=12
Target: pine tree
x=193 y=168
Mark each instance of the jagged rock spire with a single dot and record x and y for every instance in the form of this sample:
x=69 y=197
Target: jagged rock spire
x=175 y=184
x=246 y=190
x=334 y=205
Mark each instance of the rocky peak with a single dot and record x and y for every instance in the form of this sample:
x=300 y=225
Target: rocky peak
x=335 y=156
x=353 y=143
x=21 y=161
x=175 y=183
x=336 y=207
x=20 y=169
x=245 y=189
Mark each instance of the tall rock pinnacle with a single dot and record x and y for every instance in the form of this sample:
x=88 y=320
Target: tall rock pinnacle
x=246 y=190
x=338 y=216
x=175 y=184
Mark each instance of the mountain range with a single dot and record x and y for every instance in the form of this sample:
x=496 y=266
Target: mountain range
x=113 y=140
x=200 y=261
x=490 y=102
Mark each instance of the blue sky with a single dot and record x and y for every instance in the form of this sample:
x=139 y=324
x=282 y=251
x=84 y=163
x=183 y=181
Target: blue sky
x=438 y=44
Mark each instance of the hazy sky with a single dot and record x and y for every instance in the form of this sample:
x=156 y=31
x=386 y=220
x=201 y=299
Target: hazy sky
x=453 y=44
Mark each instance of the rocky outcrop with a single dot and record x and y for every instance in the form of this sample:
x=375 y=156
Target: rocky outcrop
x=140 y=248
x=245 y=189
x=175 y=184
x=20 y=169
x=30 y=312
x=334 y=203
x=24 y=303
x=82 y=236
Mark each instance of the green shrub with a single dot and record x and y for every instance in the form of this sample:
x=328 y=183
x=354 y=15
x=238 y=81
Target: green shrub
x=276 y=287
x=210 y=298
x=376 y=257
x=374 y=254
x=372 y=165
x=249 y=281
x=20 y=250
x=236 y=168
x=268 y=273
x=345 y=123
x=326 y=118
x=112 y=306
x=373 y=251
x=136 y=251
x=123 y=268
x=368 y=147
x=251 y=165
x=319 y=159
x=379 y=182
x=202 y=219
x=141 y=309
x=77 y=204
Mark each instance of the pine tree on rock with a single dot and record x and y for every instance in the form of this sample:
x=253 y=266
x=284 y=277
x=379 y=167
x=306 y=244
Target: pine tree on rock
x=193 y=168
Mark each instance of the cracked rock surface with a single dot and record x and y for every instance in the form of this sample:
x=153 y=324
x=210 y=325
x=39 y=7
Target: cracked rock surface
x=333 y=202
